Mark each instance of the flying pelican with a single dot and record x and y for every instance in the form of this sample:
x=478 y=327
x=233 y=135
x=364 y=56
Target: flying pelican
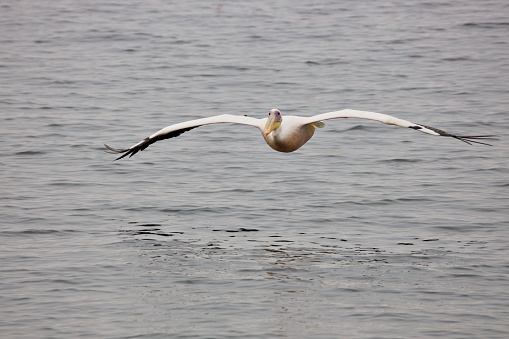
x=290 y=133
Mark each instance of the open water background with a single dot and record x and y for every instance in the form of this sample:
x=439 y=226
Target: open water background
x=368 y=231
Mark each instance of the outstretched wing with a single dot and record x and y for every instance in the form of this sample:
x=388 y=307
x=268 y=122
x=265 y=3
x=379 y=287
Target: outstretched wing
x=177 y=129
x=390 y=120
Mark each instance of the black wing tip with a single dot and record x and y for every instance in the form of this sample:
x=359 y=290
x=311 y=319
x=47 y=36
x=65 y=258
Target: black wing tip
x=117 y=150
x=469 y=139
x=474 y=139
x=128 y=151
x=147 y=142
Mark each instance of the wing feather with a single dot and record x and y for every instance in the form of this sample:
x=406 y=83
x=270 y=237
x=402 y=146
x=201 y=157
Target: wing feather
x=390 y=120
x=173 y=131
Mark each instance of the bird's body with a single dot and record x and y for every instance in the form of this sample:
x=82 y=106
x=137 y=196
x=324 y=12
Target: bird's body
x=290 y=133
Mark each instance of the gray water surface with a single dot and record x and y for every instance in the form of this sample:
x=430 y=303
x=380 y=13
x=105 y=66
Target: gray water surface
x=368 y=231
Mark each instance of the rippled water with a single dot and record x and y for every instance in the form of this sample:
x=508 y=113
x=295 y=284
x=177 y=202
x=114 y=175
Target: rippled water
x=368 y=231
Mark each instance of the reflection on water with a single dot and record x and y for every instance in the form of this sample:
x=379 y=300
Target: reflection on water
x=288 y=276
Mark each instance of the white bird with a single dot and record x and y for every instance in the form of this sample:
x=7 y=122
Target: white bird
x=290 y=133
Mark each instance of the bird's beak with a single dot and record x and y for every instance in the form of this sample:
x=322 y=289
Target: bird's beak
x=271 y=124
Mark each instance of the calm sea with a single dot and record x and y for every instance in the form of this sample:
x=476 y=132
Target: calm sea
x=368 y=231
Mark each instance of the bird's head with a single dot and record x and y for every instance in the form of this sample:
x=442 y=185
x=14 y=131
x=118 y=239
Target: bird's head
x=273 y=121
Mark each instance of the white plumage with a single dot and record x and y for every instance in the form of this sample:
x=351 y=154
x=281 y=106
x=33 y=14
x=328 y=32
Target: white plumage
x=289 y=133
